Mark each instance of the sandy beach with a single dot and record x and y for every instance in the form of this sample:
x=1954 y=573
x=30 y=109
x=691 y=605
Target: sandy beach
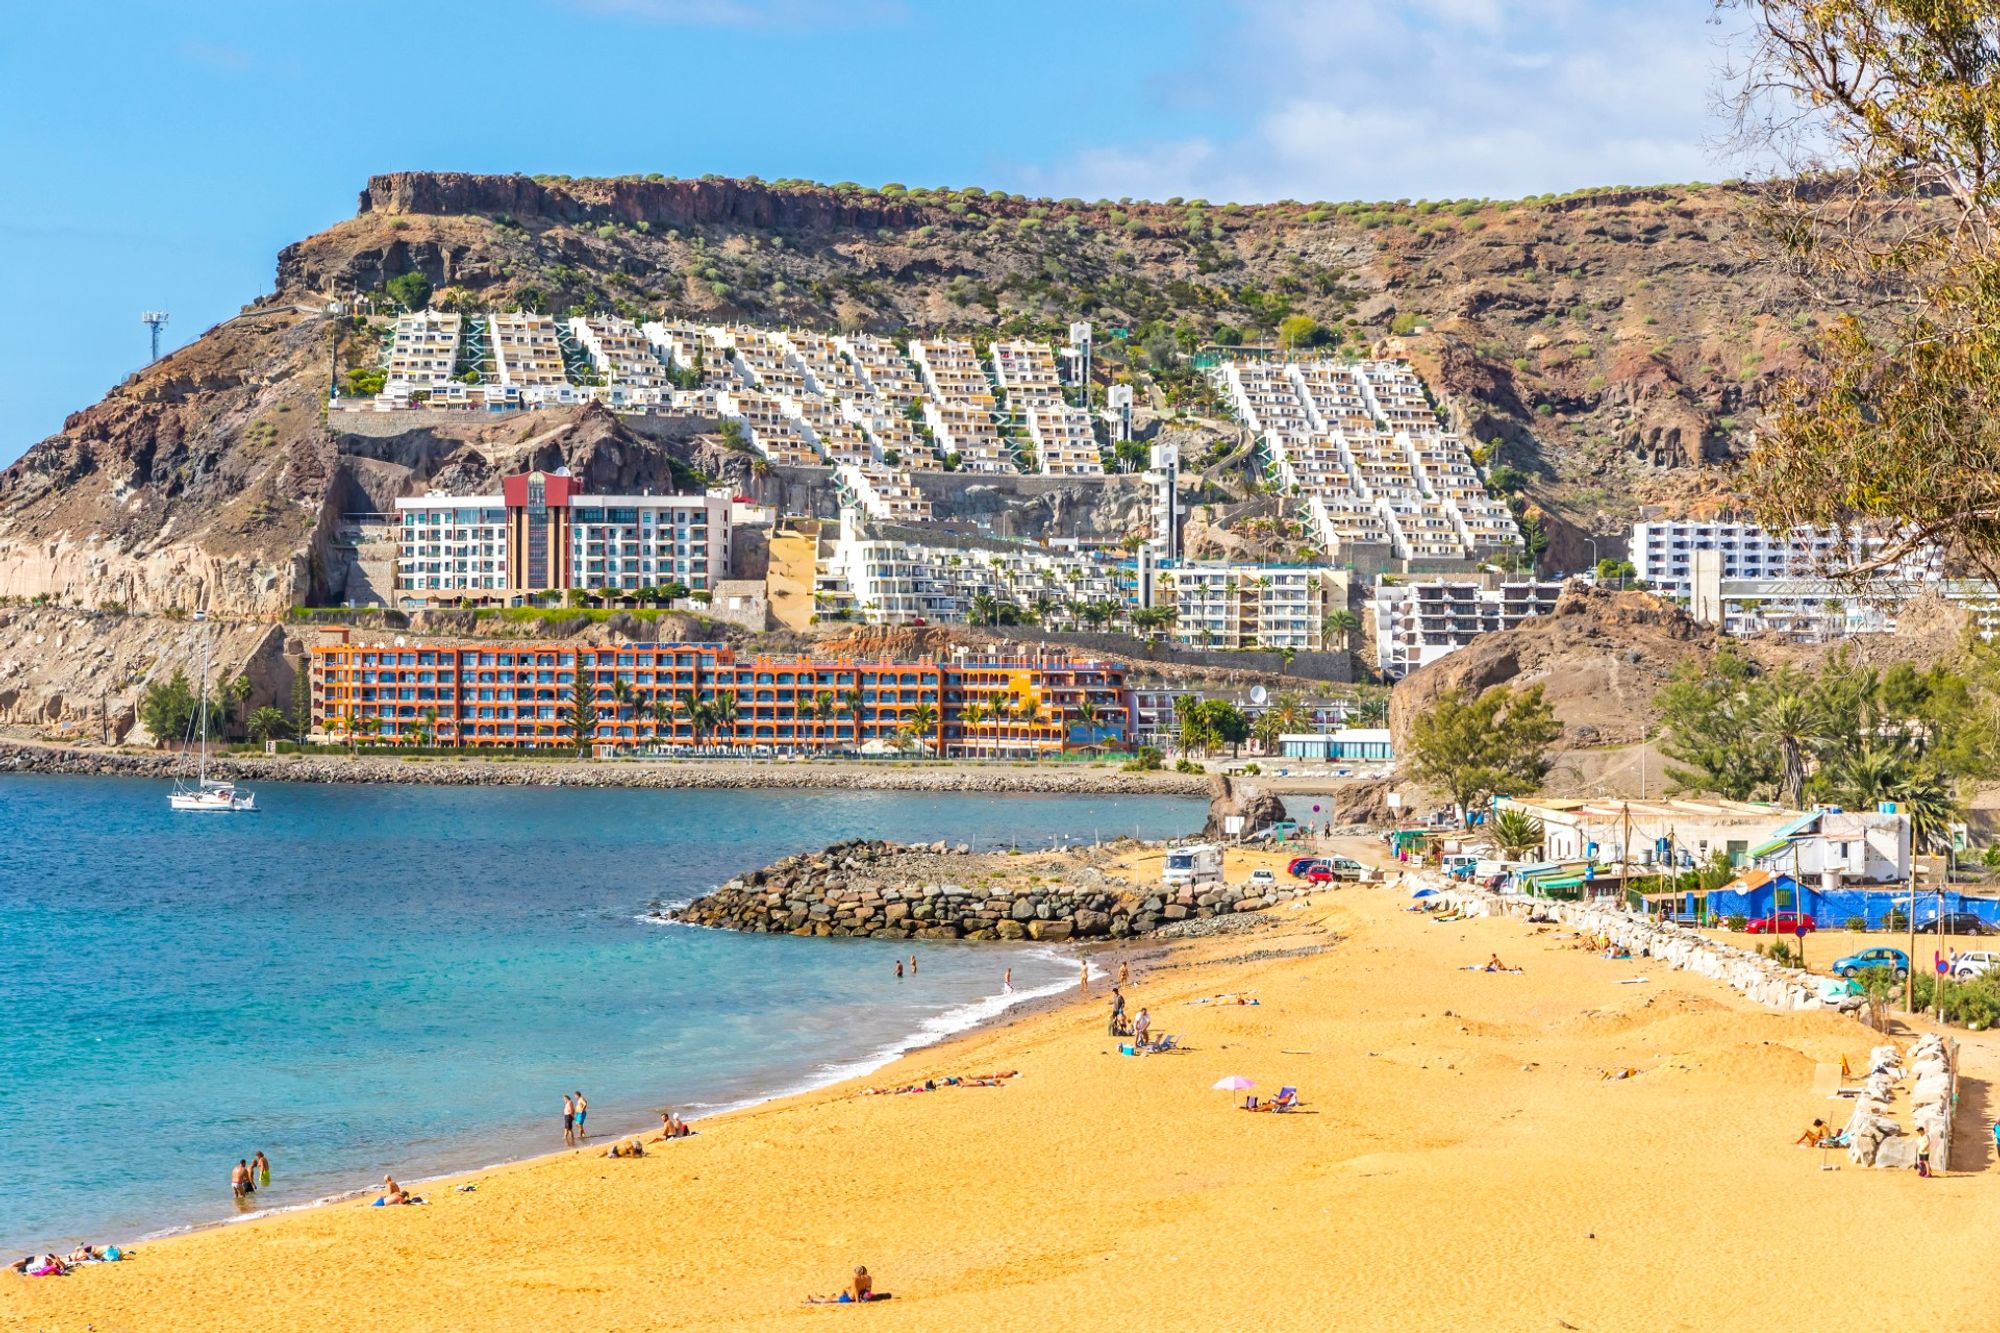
x=1461 y=1160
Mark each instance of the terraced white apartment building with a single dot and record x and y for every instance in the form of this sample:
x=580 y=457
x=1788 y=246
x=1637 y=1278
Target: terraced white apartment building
x=1363 y=445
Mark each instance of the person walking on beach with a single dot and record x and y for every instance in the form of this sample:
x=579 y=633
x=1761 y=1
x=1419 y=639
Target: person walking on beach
x=569 y=1122
x=1124 y=973
x=239 y=1180
x=1007 y=982
x=260 y=1165
x=1117 y=1011
x=1083 y=977
x=582 y=1109
x=1923 y=1152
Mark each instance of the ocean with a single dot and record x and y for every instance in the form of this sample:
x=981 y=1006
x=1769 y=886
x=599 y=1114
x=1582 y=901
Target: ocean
x=367 y=979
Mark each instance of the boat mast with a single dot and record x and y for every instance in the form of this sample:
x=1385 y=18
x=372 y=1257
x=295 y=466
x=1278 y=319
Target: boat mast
x=201 y=777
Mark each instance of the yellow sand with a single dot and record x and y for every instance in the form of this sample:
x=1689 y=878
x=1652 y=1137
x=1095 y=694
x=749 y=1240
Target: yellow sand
x=1461 y=1162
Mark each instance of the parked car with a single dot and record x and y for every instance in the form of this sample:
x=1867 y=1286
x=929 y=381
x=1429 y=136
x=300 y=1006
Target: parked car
x=1300 y=865
x=1263 y=879
x=1780 y=923
x=1973 y=963
x=1320 y=873
x=1873 y=960
x=1346 y=867
x=1954 y=923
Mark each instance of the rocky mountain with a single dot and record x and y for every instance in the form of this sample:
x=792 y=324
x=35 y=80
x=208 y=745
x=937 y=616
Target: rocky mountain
x=1615 y=343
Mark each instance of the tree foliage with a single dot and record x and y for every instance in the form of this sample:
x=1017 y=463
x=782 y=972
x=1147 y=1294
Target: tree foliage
x=1516 y=832
x=582 y=717
x=1472 y=747
x=1881 y=119
x=1845 y=734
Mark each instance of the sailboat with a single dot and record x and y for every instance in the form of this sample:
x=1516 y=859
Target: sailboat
x=207 y=793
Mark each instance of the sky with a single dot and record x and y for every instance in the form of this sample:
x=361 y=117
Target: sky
x=160 y=154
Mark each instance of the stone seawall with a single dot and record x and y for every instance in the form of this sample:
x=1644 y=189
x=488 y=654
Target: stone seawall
x=691 y=774
x=940 y=892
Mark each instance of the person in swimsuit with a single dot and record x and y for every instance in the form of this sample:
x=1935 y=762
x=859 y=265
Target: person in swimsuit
x=239 y=1180
x=913 y=965
x=582 y=1109
x=1007 y=981
x=569 y=1122
x=261 y=1165
x=899 y=969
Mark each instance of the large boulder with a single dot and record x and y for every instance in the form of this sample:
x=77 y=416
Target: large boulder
x=1259 y=808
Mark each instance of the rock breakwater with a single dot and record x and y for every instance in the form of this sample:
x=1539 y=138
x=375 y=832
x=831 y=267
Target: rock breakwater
x=938 y=891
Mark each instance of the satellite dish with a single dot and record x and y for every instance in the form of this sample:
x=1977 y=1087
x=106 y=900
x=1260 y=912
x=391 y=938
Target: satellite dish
x=402 y=642
x=1258 y=694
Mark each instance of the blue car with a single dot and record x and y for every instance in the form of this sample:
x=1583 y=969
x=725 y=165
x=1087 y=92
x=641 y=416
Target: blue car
x=1870 y=959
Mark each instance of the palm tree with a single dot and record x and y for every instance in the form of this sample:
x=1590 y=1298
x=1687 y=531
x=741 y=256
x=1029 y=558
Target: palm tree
x=1341 y=625
x=982 y=609
x=1867 y=778
x=824 y=706
x=1517 y=832
x=919 y=724
x=663 y=717
x=267 y=723
x=622 y=697
x=972 y=715
x=723 y=713
x=700 y=715
x=1931 y=801
x=1792 y=723
x=857 y=704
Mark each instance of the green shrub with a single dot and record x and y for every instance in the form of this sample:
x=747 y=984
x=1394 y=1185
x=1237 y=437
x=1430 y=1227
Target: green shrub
x=1188 y=766
x=1738 y=921
x=1147 y=760
x=1857 y=923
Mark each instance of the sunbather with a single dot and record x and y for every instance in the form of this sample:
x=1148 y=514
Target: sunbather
x=1816 y=1134
x=860 y=1288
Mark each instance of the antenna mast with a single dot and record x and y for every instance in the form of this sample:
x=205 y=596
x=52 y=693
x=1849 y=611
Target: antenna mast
x=154 y=320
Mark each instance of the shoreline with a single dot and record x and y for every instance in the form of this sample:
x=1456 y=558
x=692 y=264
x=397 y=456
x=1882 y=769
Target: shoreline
x=1555 y=1124
x=1069 y=778
x=1026 y=1003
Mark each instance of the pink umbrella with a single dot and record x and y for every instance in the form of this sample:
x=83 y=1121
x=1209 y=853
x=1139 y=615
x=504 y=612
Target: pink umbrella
x=1234 y=1083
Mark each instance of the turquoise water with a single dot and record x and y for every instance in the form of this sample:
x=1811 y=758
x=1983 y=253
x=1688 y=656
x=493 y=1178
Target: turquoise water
x=359 y=980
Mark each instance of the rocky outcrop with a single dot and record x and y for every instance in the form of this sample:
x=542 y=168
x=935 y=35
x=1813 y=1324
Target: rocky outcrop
x=1237 y=800
x=1600 y=658
x=939 y=892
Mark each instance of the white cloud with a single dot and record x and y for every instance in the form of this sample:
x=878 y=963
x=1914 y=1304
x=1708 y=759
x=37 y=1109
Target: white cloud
x=1381 y=99
x=788 y=15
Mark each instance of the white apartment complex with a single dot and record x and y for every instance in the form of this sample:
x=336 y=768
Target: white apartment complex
x=1362 y=444
x=527 y=354
x=542 y=534
x=619 y=351
x=1418 y=621
x=1238 y=606
x=1749 y=580
x=423 y=349
x=894 y=575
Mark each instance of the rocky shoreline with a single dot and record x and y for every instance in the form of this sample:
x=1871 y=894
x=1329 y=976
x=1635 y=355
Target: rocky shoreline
x=940 y=891
x=29 y=757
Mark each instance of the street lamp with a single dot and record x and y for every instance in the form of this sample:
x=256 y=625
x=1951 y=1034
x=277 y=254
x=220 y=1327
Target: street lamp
x=1593 y=556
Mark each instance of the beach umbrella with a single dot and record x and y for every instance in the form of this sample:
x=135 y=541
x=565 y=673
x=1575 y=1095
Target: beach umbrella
x=1234 y=1083
x=1424 y=893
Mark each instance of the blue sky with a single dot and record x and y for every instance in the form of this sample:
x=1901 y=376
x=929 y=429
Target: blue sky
x=159 y=154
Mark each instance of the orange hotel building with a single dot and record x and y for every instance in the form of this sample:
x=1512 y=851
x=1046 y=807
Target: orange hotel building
x=521 y=695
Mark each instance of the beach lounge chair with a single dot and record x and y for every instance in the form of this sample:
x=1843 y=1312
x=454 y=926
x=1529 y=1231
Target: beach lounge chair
x=1286 y=1100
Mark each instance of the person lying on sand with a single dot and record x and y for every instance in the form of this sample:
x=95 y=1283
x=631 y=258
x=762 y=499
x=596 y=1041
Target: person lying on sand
x=1494 y=964
x=624 y=1149
x=393 y=1194
x=1816 y=1134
